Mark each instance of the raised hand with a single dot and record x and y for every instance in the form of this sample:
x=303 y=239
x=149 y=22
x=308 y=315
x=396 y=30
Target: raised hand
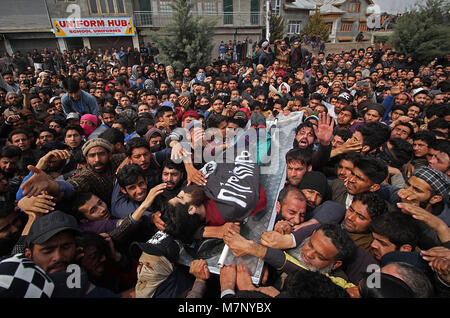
x=38 y=183
x=324 y=130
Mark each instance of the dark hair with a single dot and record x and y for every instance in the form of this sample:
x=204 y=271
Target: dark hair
x=214 y=120
x=86 y=239
x=425 y=135
x=10 y=152
x=401 y=151
x=406 y=124
x=340 y=239
x=352 y=111
x=77 y=201
x=134 y=143
x=345 y=134
x=438 y=110
x=376 y=206
x=142 y=124
x=399 y=228
x=169 y=164
x=78 y=156
x=441 y=145
x=107 y=110
x=125 y=122
x=113 y=135
x=290 y=189
x=112 y=101
x=375 y=169
x=6 y=208
x=16 y=132
x=400 y=107
x=310 y=284
x=352 y=156
x=71 y=84
x=317 y=96
x=50 y=130
x=301 y=155
x=162 y=110
x=78 y=128
x=129 y=174
x=179 y=223
x=374 y=134
x=438 y=123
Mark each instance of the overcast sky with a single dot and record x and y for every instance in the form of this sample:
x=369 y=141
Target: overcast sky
x=396 y=6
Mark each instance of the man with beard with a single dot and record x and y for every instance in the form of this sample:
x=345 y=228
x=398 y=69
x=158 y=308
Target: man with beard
x=365 y=208
x=325 y=251
x=97 y=177
x=138 y=152
x=319 y=209
x=155 y=139
x=291 y=207
x=20 y=138
x=314 y=186
x=11 y=225
x=307 y=134
x=428 y=189
x=9 y=155
x=51 y=244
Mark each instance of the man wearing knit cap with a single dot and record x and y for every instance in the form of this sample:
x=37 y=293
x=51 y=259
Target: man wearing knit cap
x=427 y=189
x=314 y=186
x=100 y=173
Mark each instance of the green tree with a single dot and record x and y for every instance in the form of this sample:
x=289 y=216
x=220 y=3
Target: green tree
x=316 y=27
x=276 y=25
x=186 y=41
x=423 y=32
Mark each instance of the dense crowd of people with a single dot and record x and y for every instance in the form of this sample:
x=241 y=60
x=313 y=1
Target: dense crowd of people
x=104 y=164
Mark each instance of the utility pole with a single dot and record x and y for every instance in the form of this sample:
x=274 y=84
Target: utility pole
x=267 y=20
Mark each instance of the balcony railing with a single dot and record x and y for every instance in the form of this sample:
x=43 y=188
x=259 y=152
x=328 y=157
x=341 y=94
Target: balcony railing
x=235 y=19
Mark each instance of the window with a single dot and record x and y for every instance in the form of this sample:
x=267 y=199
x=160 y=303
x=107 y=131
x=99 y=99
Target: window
x=354 y=6
x=106 y=6
x=165 y=9
x=362 y=26
x=346 y=26
x=275 y=4
x=254 y=9
x=294 y=27
x=330 y=26
x=93 y=5
x=209 y=8
x=120 y=7
x=144 y=5
x=227 y=11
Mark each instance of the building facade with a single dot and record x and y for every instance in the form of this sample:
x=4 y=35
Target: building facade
x=28 y=24
x=345 y=18
x=237 y=20
x=294 y=12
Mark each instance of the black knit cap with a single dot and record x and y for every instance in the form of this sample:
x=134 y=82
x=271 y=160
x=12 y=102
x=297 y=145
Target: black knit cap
x=315 y=180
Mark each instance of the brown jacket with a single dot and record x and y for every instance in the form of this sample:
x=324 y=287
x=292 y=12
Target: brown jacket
x=88 y=180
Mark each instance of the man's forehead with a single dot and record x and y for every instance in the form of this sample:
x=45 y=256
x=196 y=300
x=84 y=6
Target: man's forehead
x=305 y=129
x=420 y=183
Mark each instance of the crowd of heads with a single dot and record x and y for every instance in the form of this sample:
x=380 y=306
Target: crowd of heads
x=92 y=164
